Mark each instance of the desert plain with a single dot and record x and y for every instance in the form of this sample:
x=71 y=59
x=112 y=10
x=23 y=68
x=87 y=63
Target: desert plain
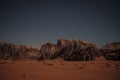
x=100 y=69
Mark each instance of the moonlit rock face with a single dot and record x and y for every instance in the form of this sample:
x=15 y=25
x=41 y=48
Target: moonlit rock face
x=12 y=51
x=69 y=50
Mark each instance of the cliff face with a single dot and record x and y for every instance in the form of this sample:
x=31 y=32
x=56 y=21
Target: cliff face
x=69 y=50
x=11 y=51
x=111 y=51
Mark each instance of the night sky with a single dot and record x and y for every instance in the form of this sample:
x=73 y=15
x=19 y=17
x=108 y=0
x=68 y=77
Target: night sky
x=35 y=22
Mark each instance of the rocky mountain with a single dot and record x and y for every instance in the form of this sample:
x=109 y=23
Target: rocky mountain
x=69 y=50
x=12 y=51
x=111 y=51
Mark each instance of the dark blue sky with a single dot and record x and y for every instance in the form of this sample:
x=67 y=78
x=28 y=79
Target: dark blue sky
x=34 y=22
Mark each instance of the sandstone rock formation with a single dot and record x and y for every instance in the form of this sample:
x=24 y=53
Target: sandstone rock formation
x=7 y=50
x=48 y=50
x=111 y=51
x=69 y=50
x=12 y=51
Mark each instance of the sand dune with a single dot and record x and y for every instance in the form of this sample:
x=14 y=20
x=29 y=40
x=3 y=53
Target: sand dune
x=59 y=70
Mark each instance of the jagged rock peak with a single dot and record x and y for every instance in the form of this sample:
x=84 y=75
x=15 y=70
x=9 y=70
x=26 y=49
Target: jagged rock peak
x=63 y=42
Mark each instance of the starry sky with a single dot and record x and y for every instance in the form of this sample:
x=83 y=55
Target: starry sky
x=35 y=22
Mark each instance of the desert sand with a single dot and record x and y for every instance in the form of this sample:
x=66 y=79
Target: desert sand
x=100 y=69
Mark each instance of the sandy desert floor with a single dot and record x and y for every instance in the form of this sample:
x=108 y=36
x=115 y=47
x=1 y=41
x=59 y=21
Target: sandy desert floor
x=99 y=69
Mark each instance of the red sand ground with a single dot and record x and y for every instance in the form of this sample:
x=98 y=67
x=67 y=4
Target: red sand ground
x=60 y=70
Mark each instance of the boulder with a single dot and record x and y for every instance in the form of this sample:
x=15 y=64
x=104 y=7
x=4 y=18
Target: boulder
x=48 y=50
x=111 y=51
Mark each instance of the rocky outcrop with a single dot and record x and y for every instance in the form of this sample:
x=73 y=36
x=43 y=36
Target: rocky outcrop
x=48 y=50
x=69 y=50
x=12 y=51
x=111 y=51
x=7 y=50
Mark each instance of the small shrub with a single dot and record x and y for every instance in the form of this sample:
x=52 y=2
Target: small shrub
x=30 y=63
x=81 y=67
x=49 y=64
x=117 y=68
x=13 y=63
x=24 y=75
x=63 y=63
x=108 y=65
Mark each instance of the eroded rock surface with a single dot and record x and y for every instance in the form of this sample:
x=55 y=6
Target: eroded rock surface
x=12 y=51
x=111 y=51
x=69 y=50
